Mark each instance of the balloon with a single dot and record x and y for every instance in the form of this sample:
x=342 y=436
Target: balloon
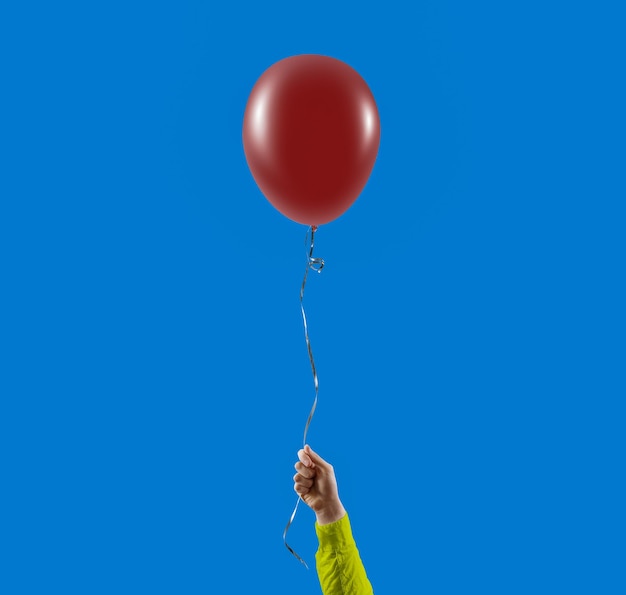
x=310 y=134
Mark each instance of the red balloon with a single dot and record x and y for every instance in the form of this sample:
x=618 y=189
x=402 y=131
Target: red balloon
x=310 y=134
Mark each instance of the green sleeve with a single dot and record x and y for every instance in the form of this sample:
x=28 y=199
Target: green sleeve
x=339 y=567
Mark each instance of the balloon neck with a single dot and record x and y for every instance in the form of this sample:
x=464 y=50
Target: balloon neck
x=314 y=227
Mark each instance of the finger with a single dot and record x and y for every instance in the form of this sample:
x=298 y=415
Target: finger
x=299 y=479
x=314 y=457
x=300 y=489
x=304 y=457
x=306 y=471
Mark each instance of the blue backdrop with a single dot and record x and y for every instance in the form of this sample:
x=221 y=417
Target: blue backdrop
x=468 y=328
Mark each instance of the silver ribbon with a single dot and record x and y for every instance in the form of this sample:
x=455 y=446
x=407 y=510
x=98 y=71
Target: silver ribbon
x=315 y=264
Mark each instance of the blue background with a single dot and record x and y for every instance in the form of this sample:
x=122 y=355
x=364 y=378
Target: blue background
x=468 y=328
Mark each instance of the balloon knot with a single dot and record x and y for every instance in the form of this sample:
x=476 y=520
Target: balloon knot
x=315 y=263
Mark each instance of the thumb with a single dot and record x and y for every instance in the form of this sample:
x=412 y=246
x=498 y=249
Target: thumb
x=314 y=456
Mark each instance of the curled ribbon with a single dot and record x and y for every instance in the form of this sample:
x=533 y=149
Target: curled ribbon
x=316 y=264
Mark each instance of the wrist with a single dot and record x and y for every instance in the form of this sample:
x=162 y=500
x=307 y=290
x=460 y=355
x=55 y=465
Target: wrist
x=330 y=514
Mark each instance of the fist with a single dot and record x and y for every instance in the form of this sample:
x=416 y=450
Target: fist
x=316 y=484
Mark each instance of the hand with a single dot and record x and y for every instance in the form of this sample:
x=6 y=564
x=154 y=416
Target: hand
x=316 y=484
